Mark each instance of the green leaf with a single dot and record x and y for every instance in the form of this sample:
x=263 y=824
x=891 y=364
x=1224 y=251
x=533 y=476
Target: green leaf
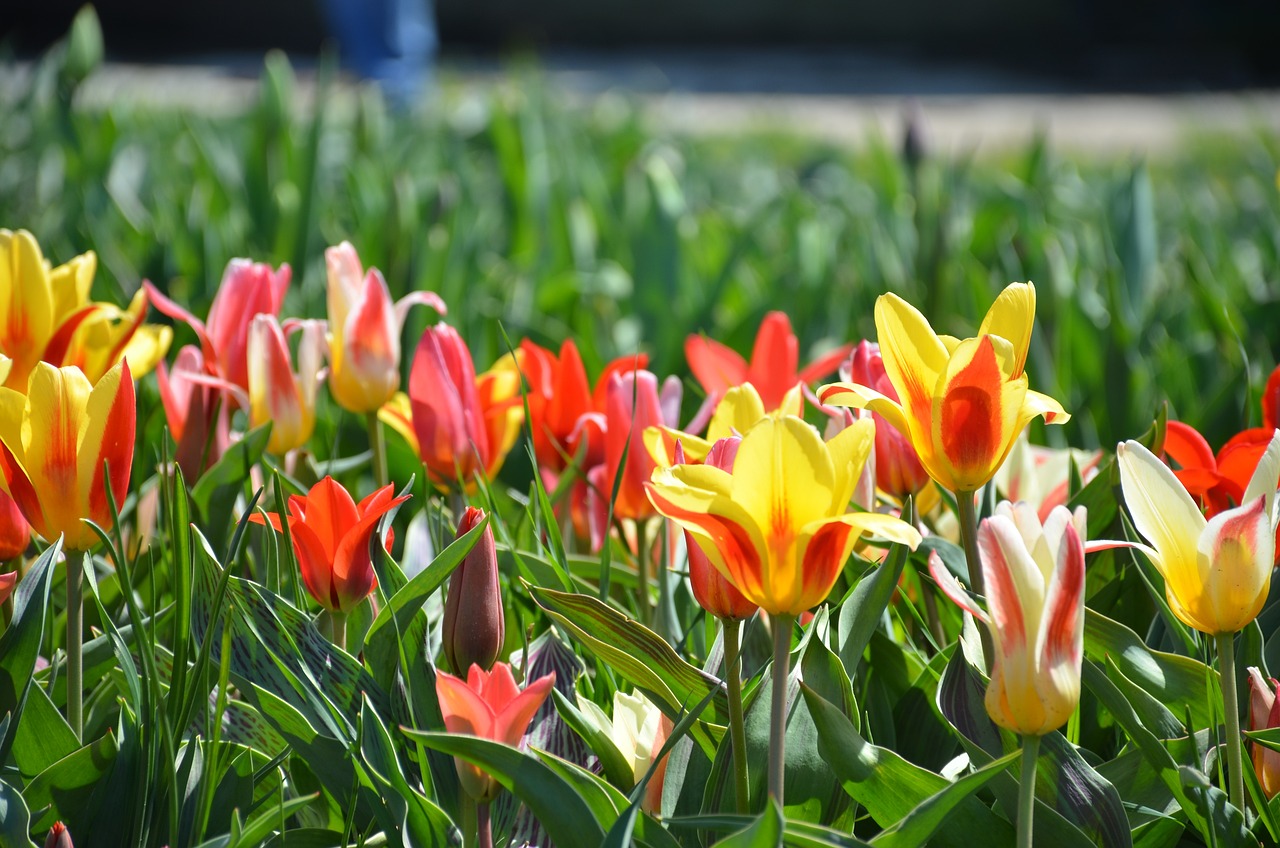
x=20 y=644
x=615 y=765
x=918 y=827
x=62 y=791
x=215 y=493
x=764 y=832
x=642 y=657
x=861 y=611
x=568 y=819
x=15 y=818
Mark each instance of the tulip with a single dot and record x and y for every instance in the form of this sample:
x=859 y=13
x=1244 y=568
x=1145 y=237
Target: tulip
x=638 y=730
x=776 y=525
x=632 y=404
x=474 y=625
x=364 y=348
x=461 y=425
x=1216 y=482
x=197 y=424
x=1039 y=475
x=1271 y=401
x=898 y=468
x=1217 y=572
x=276 y=393
x=738 y=411
x=1264 y=714
x=59 y=837
x=965 y=401
x=774 y=369
x=15 y=532
x=46 y=316
x=247 y=289
x=488 y=705
x=8 y=582
x=713 y=592
x=331 y=535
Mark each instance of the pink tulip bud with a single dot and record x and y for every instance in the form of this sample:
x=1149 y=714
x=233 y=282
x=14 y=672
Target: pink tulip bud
x=474 y=627
x=59 y=837
x=1263 y=715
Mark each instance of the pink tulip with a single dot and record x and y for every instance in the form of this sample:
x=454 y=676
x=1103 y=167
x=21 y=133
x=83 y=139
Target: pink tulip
x=197 y=424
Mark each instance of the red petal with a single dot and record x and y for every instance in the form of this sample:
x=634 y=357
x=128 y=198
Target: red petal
x=717 y=367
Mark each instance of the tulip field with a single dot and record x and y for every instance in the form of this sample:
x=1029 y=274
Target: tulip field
x=511 y=473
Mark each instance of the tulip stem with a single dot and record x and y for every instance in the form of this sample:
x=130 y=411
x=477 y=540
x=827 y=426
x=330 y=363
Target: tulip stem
x=737 y=729
x=968 y=516
x=781 y=623
x=1027 y=789
x=1231 y=710
x=643 y=567
x=378 y=445
x=339 y=620
x=484 y=826
x=75 y=642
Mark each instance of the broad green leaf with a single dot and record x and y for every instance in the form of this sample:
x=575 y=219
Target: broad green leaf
x=15 y=818
x=918 y=827
x=797 y=834
x=764 y=832
x=861 y=610
x=63 y=790
x=20 y=644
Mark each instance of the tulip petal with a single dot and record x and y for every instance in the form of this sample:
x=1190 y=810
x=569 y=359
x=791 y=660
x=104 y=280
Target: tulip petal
x=329 y=512
x=975 y=413
x=825 y=364
x=418 y=298
x=1162 y=510
x=774 y=359
x=737 y=412
x=315 y=562
x=107 y=433
x=716 y=367
x=1011 y=317
x=914 y=361
x=1237 y=552
x=1060 y=642
x=462 y=708
x=864 y=397
x=1265 y=477
x=850 y=450
x=783 y=478
x=951 y=587
x=512 y=721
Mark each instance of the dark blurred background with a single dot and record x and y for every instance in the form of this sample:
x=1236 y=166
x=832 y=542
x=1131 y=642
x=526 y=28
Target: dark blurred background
x=1102 y=45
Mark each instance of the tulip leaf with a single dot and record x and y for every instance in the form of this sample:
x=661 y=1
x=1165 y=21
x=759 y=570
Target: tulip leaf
x=215 y=493
x=1205 y=805
x=20 y=644
x=888 y=786
x=861 y=610
x=764 y=832
x=796 y=834
x=43 y=736
x=568 y=819
x=596 y=792
x=642 y=657
x=65 y=791
x=15 y=818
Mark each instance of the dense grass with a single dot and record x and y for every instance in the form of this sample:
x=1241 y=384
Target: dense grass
x=1157 y=280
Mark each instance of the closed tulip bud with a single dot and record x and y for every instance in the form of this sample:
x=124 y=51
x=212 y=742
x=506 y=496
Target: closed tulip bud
x=15 y=532
x=59 y=837
x=474 y=627
x=1264 y=714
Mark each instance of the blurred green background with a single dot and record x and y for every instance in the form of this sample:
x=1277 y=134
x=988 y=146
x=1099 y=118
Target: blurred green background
x=538 y=216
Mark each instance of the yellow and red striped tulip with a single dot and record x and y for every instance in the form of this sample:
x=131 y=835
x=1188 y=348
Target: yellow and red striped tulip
x=897 y=465
x=736 y=413
x=1264 y=714
x=488 y=705
x=46 y=316
x=777 y=526
x=247 y=289
x=963 y=402
x=1035 y=590
x=54 y=441
x=1217 y=572
x=365 y=325
x=713 y=592
x=276 y=393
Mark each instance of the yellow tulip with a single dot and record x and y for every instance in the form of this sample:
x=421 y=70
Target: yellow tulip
x=776 y=526
x=964 y=401
x=1217 y=572
x=46 y=315
x=738 y=411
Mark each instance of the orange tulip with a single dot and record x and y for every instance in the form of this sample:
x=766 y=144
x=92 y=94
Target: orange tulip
x=774 y=369
x=1264 y=714
x=963 y=402
x=247 y=289
x=365 y=325
x=488 y=704
x=55 y=440
x=459 y=424
x=46 y=316
x=331 y=535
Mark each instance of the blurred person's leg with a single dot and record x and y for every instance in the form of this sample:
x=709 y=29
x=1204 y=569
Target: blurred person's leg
x=392 y=42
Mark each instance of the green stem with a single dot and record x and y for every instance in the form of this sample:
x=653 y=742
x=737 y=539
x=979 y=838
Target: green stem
x=666 y=617
x=75 y=641
x=378 y=445
x=484 y=827
x=643 y=567
x=737 y=729
x=470 y=821
x=781 y=624
x=968 y=516
x=339 y=620
x=1231 y=709
x=1027 y=790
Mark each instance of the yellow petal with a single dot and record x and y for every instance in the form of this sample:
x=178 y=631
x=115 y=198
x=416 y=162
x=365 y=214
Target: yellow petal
x=26 y=301
x=849 y=452
x=1163 y=513
x=738 y=412
x=862 y=397
x=57 y=398
x=783 y=478
x=914 y=359
x=398 y=415
x=1011 y=317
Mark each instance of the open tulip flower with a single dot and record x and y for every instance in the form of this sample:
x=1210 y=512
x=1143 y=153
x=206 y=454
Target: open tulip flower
x=777 y=525
x=365 y=326
x=1217 y=572
x=46 y=316
x=962 y=402
x=488 y=705
x=738 y=411
x=774 y=369
x=276 y=393
x=56 y=439
x=247 y=289
x=460 y=424
x=638 y=730
x=632 y=405
x=1035 y=591
x=331 y=534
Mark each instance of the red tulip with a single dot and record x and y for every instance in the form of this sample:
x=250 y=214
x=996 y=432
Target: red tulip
x=632 y=405
x=15 y=532
x=488 y=705
x=331 y=534
x=474 y=626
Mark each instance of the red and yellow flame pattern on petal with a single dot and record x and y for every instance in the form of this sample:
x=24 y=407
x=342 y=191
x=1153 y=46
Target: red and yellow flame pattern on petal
x=963 y=401
x=57 y=441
